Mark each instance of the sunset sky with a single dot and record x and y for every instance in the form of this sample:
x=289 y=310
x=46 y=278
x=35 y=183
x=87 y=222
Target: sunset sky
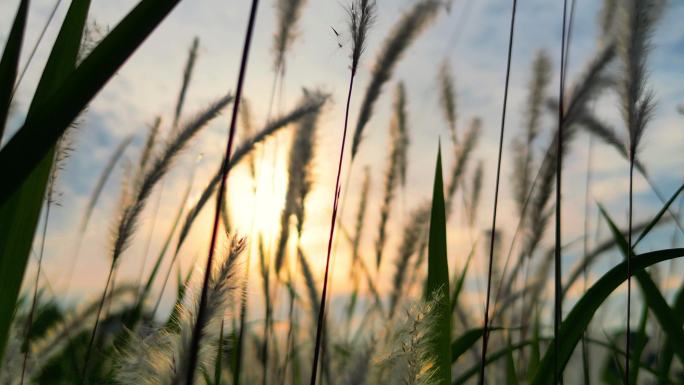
x=473 y=36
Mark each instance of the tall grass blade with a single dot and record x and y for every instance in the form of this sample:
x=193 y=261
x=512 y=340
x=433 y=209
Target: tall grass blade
x=511 y=372
x=69 y=96
x=458 y=284
x=21 y=200
x=10 y=62
x=557 y=261
x=437 y=286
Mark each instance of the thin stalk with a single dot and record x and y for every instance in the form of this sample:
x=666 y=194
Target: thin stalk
x=485 y=334
x=587 y=191
x=558 y=287
x=321 y=312
x=202 y=310
x=84 y=374
x=29 y=321
x=628 y=341
x=35 y=48
x=291 y=316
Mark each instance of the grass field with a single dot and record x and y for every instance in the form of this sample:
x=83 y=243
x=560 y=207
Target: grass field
x=371 y=227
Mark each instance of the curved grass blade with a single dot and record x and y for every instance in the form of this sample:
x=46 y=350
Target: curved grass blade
x=466 y=341
x=511 y=373
x=668 y=320
x=69 y=96
x=491 y=358
x=660 y=214
x=21 y=200
x=10 y=62
x=437 y=286
x=473 y=370
x=576 y=322
x=458 y=285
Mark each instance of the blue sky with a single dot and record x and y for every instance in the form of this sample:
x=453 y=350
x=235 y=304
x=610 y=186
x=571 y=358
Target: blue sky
x=473 y=36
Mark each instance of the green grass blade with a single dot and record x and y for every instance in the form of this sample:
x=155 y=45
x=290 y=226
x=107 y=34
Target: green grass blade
x=639 y=346
x=667 y=352
x=52 y=117
x=669 y=320
x=438 y=281
x=21 y=205
x=511 y=373
x=219 y=359
x=466 y=375
x=660 y=214
x=10 y=62
x=465 y=342
x=458 y=285
x=491 y=358
x=578 y=319
x=535 y=351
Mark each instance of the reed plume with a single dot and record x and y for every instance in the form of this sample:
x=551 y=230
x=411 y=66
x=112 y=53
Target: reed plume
x=133 y=205
x=410 y=359
x=159 y=166
x=361 y=15
x=162 y=356
x=361 y=215
x=637 y=104
x=288 y=13
x=606 y=19
x=590 y=84
x=414 y=232
x=355 y=241
x=475 y=192
x=309 y=106
x=187 y=74
x=405 y=31
x=463 y=153
x=395 y=167
x=148 y=149
x=447 y=98
x=299 y=177
x=523 y=158
x=248 y=131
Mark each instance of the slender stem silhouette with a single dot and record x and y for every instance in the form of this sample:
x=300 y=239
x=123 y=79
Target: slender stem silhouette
x=321 y=312
x=485 y=334
x=558 y=287
x=197 y=330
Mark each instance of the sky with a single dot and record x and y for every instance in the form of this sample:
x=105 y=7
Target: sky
x=472 y=36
